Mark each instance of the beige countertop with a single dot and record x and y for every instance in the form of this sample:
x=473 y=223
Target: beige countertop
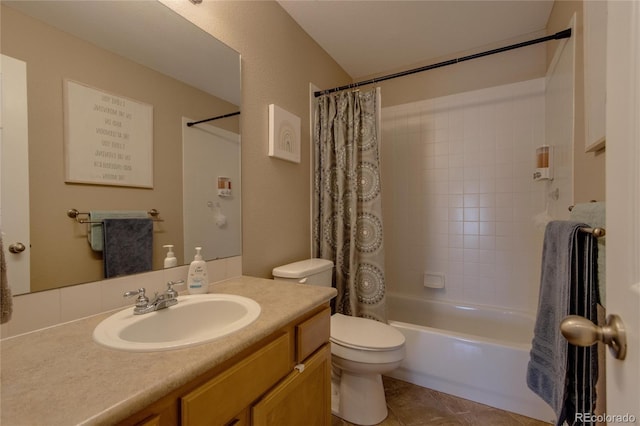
x=60 y=376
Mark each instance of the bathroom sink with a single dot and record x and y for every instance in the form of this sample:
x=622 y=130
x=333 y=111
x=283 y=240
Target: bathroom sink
x=194 y=320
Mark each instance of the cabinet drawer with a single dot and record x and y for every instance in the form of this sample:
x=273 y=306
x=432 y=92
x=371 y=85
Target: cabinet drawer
x=312 y=333
x=218 y=400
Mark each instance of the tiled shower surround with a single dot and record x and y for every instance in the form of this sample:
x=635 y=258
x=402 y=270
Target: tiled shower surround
x=459 y=198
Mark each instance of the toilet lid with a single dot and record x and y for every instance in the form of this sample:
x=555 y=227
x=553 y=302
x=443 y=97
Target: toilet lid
x=364 y=333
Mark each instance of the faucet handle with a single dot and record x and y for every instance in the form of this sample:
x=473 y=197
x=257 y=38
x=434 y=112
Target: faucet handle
x=142 y=299
x=171 y=293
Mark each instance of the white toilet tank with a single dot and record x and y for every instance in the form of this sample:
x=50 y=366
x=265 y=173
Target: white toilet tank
x=309 y=271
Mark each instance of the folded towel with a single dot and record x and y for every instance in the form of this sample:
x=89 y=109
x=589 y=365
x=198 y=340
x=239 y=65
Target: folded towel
x=594 y=214
x=6 y=300
x=565 y=267
x=94 y=232
x=128 y=246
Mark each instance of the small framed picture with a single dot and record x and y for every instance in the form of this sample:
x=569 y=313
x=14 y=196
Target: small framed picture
x=284 y=134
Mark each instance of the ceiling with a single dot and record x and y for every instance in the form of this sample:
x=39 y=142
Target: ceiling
x=371 y=37
x=179 y=53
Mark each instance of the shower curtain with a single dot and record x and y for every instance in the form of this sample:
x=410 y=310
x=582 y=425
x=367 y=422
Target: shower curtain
x=347 y=208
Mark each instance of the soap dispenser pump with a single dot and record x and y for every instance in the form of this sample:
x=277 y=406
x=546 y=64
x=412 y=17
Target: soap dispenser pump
x=197 y=280
x=171 y=260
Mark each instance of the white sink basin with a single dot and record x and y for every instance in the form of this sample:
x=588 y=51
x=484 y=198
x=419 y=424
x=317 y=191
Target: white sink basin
x=194 y=320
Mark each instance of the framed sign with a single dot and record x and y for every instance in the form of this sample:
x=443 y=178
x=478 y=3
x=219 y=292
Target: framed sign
x=108 y=139
x=284 y=134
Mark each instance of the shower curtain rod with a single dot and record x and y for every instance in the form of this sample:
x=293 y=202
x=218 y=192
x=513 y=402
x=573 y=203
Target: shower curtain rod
x=557 y=36
x=193 y=123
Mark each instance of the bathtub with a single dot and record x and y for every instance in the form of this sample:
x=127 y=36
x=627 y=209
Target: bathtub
x=473 y=352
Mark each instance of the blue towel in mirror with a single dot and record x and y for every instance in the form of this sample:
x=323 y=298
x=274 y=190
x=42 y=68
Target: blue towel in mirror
x=128 y=246
x=94 y=230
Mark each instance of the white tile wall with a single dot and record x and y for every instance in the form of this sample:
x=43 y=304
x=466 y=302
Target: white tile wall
x=48 y=308
x=459 y=197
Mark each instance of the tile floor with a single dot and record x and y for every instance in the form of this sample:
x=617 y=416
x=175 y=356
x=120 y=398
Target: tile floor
x=411 y=405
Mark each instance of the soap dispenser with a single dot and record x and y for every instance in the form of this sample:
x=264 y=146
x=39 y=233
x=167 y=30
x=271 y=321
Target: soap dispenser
x=171 y=260
x=197 y=280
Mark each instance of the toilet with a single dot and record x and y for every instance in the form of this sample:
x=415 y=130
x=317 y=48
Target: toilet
x=361 y=351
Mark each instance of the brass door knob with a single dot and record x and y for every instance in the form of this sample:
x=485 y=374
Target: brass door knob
x=17 y=248
x=580 y=331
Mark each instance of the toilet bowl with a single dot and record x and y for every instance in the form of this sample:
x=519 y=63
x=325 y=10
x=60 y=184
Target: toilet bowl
x=361 y=351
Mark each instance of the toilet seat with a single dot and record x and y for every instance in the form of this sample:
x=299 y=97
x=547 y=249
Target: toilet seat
x=364 y=334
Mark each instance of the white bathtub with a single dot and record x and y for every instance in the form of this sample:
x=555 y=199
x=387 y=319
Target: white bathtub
x=473 y=352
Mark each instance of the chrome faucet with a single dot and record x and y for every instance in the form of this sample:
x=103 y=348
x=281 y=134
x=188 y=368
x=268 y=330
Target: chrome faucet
x=160 y=301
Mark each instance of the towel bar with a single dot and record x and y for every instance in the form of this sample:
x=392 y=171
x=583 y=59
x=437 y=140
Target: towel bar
x=74 y=213
x=597 y=232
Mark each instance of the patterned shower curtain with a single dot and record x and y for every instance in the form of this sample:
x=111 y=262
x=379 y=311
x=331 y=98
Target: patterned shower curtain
x=347 y=226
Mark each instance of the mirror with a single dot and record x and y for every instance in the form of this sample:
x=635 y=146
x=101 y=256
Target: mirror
x=129 y=50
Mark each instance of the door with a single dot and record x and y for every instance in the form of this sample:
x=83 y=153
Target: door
x=14 y=172
x=623 y=203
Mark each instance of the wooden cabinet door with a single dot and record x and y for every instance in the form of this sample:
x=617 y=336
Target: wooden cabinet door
x=302 y=398
x=217 y=401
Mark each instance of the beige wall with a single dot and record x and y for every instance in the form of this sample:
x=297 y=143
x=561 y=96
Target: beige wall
x=588 y=168
x=60 y=253
x=279 y=61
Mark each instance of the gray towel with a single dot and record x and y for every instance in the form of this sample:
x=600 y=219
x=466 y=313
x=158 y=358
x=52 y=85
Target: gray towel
x=6 y=300
x=550 y=370
x=94 y=230
x=128 y=246
x=594 y=214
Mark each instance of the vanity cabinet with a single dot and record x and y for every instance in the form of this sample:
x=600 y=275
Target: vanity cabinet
x=285 y=379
